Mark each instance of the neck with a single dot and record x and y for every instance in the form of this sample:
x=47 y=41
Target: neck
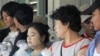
x=23 y=28
x=13 y=28
x=37 y=50
x=71 y=37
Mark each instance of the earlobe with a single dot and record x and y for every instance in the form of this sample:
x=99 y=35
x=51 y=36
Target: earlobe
x=43 y=38
x=67 y=25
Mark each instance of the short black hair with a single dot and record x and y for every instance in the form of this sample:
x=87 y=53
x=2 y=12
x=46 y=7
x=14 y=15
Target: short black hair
x=88 y=20
x=10 y=8
x=25 y=14
x=68 y=14
x=42 y=30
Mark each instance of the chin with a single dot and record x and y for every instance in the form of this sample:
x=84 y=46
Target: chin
x=97 y=29
x=59 y=36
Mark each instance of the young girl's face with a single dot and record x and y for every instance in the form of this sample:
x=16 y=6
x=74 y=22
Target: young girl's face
x=33 y=38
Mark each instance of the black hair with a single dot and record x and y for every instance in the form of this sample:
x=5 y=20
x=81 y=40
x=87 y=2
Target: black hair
x=68 y=14
x=88 y=20
x=96 y=5
x=25 y=14
x=42 y=30
x=10 y=8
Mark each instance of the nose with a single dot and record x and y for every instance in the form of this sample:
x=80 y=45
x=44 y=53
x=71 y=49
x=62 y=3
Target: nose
x=28 y=38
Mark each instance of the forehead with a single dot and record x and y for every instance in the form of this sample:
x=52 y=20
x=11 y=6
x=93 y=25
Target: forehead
x=4 y=13
x=96 y=11
x=57 y=21
x=32 y=30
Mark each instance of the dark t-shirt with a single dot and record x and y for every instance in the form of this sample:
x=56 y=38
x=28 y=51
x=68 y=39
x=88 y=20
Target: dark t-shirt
x=3 y=33
x=21 y=36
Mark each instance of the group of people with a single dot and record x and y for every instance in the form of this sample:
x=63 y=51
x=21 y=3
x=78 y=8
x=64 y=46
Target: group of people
x=22 y=33
x=18 y=19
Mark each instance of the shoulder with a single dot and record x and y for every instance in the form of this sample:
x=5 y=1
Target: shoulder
x=85 y=40
x=84 y=43
x=3 y=33
x=5 y=30
x=45 y=52
x=57 y=43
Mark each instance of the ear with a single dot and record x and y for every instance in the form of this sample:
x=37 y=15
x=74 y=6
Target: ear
x=43 y=38
x=67 y=25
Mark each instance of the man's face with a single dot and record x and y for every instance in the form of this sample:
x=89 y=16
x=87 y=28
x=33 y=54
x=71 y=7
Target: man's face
x=96 y=19
x=89 y=29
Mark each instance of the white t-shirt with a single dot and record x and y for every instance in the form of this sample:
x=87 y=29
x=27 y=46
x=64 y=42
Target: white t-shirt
x=44 y=52
x=11 y=37
x=9 y=41
x=70 y=50
x=95 y=53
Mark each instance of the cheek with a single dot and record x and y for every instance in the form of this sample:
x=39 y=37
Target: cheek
x=96 y=23
x=58 y=28
x=11 y=21
x=35 y=41
x=16 y=23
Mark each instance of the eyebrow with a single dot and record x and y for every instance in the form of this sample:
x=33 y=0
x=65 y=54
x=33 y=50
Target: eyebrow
x=33 y=33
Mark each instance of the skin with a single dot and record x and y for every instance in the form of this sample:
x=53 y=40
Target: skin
x=9 y=22
x=96 y=24
x=7 y=19
x=89 y=29
x=96 y=19
x=63 y=31
x=35 y=41
x=21 y=27
x=60 y=29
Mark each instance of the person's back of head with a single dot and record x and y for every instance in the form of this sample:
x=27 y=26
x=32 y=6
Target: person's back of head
x=24 y=15
x=10 y=8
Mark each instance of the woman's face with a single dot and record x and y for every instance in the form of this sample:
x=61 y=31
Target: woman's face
x=7 y=19
x=33 y=38
x=96 y=19
x=60 y=29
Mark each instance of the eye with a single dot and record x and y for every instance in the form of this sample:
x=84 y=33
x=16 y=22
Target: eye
x=32 y=35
